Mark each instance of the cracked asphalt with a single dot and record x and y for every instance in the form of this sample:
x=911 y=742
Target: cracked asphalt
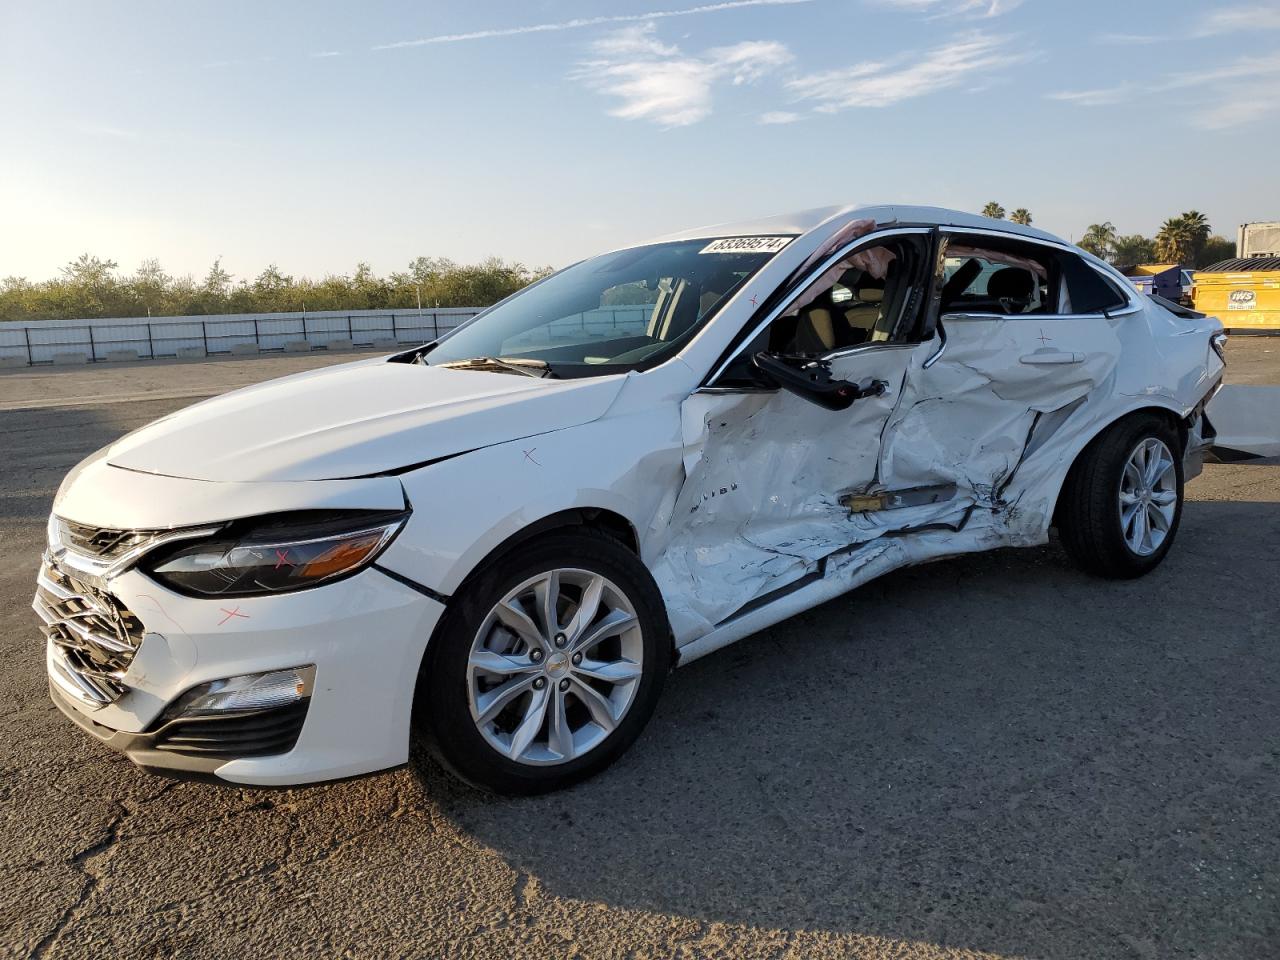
x=994 y=756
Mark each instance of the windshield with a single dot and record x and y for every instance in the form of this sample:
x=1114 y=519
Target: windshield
x=622 y=311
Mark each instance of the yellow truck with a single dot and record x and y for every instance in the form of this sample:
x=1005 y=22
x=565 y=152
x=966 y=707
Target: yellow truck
x=1243 y=293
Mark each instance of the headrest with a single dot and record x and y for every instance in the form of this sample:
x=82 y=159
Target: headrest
x=871 y=295
x=1012 y=283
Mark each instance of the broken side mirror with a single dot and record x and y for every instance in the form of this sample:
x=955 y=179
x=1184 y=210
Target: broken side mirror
x=811 y=380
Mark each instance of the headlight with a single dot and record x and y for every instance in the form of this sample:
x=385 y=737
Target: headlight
x=290 y=552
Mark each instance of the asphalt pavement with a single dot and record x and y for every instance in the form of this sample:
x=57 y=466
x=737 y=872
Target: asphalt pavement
x=994 y=756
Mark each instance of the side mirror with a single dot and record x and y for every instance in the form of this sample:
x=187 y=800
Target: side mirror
x=811 y=380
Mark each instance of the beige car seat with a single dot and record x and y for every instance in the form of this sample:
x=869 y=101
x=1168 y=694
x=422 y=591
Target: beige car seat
x=815 y=331
x=864 y=312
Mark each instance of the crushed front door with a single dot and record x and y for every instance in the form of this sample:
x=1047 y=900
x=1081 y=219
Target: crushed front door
x=769 y=478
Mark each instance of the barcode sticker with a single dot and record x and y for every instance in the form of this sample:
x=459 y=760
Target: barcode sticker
x=746 y=245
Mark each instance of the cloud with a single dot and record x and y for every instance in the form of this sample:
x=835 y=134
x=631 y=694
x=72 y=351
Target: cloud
x=1245 y=68
x=581 y=22
x=1237 y=112
x=779 y=116
x=323 y=54
x=656 y=82
x=955 y=8
x=1238 y=20
x=882 y=84
x=1127 y=39
x=103 y=130
x=1219 y=98
x=1232 y=103
x=1101 y=97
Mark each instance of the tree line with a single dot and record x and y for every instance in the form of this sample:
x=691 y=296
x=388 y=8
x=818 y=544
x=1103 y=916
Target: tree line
x=89 y=287
x=1186 y=240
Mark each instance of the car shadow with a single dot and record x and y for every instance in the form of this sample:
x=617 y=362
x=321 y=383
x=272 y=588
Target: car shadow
x=991 y=753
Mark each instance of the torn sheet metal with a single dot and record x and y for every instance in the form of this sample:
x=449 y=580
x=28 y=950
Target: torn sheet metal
x=962 y=455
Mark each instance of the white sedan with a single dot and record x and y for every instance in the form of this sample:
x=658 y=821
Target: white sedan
x=501 y=542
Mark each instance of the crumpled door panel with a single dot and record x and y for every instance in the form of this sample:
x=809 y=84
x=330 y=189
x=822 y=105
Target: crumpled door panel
x=969 y=417
x=958 y=456
x=760 y=505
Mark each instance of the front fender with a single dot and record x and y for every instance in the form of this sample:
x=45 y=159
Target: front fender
x=466 y=507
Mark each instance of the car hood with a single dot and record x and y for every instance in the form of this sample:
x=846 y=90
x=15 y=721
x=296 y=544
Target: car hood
x=357 y=420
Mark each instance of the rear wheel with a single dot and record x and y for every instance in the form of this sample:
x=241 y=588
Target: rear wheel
x=547 y=666
x=1122 y=502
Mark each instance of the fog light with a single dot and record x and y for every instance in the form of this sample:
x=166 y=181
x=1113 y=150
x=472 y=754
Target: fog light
x=251 y=691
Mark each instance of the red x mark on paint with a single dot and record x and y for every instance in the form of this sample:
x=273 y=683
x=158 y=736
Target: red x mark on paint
x=231 y=613
x=282 y=559
x=753 y=300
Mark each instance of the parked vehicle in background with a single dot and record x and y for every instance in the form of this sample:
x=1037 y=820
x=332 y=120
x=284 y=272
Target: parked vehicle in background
x=1261 y=239
x=1156 y=279
x=1188 y=278
x=503 y=540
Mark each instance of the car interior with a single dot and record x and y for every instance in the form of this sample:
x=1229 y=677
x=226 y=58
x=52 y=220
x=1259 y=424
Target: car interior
x=862 y=305
x=987 y=281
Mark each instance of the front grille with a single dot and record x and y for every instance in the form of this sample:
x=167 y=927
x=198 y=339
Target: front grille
x=93 y=635
x=101 y=543
x=252 y=734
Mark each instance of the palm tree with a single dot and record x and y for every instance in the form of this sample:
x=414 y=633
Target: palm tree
x=1198 y=224
x=1022 y=215
x=1131 y=250
x=1099 y=239
x=993 y=210
x=1176 y=241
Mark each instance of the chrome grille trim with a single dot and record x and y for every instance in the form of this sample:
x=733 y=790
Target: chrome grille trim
x=96 y=554
x=101 y=543
x=93 y=637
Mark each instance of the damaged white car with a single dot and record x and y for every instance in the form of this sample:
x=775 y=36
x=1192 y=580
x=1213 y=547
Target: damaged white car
x=502 y=541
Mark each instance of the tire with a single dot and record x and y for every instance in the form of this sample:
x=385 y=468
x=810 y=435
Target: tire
x=478 y=664
x=1102 y=535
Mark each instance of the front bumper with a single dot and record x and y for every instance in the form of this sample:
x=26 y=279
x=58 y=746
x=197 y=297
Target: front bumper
x=199 y=746
x=364 y=635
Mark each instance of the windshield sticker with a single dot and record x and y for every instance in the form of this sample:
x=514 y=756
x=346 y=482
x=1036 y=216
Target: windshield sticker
x=746 y=245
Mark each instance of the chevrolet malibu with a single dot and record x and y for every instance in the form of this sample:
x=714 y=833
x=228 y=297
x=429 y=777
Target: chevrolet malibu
x=501 y=542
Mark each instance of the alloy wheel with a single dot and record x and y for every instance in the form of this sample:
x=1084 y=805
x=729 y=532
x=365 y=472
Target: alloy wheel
x=555 y=667
x=1148 y=496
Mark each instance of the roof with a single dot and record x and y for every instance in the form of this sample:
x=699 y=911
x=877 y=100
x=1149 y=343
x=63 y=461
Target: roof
x=1244 y=265
x=803 y=221
x=1151 y=269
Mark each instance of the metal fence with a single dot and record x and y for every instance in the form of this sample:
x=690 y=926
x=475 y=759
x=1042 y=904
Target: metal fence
x=86 y=341
x=142 y=338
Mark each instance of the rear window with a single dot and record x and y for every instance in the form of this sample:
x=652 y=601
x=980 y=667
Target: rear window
x=1088 y=291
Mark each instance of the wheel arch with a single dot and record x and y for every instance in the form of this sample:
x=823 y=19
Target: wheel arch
x=599 y=518
x=1174 y=417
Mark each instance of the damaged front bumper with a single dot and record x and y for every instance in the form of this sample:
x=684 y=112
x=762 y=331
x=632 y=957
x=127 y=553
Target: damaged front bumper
x=355 y=647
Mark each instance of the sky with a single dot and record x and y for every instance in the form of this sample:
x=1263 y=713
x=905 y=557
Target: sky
x=316 y=134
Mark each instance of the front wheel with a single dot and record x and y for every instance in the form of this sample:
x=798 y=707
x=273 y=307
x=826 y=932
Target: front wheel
x=547 y=667
x=1122 y=502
